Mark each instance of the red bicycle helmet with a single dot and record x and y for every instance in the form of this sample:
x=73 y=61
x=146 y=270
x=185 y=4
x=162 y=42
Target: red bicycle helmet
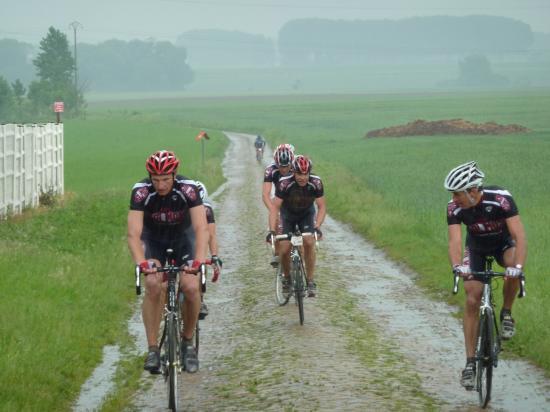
x=302 y=164
x=162 y=162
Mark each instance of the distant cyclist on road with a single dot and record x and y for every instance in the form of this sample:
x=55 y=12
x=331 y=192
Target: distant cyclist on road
x=259 y=144
x=162 y=206
x=295 y=197
x=494 y=229
x=282 y=160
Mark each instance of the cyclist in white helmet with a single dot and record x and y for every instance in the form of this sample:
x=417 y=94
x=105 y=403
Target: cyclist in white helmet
x=283 y=157
x=494 y=228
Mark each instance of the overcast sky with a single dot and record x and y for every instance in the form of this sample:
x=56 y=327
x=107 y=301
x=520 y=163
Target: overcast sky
x=28 y=20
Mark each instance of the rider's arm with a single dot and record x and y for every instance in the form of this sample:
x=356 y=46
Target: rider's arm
x=212 y=239
x=266 y=195
x=274 y=212
x=200 y=227
x=515 y=227
x=135 y=227
x=321 y=211
x=455 y=245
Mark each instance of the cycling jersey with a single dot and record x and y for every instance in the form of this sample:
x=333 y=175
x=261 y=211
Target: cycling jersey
x=486 y=221
x=298 y=200
x=165 y=217
x=259 y=144
x=272 y=174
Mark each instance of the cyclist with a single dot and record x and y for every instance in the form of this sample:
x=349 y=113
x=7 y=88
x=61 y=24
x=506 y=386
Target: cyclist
x=212 y=241
x=259 y=144
x=282 y=160
x=161 y=207
x=494 y=228
x=295 y=197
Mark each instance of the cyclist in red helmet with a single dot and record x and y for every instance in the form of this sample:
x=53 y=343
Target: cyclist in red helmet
x=296 y=196
x=282 y=160
x=162 y=206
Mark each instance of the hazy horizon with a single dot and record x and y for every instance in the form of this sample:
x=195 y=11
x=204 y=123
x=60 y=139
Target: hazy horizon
x=101 y=20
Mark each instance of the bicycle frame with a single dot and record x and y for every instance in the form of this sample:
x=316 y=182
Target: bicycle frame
x=297 y=270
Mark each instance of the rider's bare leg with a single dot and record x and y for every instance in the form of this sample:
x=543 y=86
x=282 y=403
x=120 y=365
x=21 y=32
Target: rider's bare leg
x=511 y=286
x=189 y=284
x=309 y=255
x=473 y=290
x=284 y=250
x=153 y=304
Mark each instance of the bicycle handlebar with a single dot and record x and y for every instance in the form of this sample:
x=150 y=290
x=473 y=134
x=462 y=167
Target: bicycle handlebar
x=173 y=269
x=491 y=274
x=288 y=236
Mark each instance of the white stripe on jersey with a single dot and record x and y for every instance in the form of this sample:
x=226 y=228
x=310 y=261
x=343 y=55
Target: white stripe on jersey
x=149 y=197
x=491 y=202
x=181 y=195
x=498 y=192
x=141 y=185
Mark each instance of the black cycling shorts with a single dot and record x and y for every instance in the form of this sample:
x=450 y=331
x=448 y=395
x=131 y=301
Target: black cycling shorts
x=157 y=250
x=477 y=258
x=304 y=221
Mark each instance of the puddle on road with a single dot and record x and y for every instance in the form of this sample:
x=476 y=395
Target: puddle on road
x=425 y=330
x=100 y=384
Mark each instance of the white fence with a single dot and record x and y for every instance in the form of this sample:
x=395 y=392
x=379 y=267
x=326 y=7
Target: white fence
x=31 y=163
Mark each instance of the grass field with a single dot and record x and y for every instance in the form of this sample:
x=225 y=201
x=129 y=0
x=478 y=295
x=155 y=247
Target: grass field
x=70 y=272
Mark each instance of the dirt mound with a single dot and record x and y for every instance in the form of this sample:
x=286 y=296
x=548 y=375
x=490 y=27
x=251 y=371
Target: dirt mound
x=454 y=126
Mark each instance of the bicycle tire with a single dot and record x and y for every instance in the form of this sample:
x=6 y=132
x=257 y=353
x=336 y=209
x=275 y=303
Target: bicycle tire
x=280 y=297
x=298 y=282
x=485 y=359
x=173 y=349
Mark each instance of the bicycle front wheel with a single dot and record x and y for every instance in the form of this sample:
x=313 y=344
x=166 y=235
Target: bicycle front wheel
x=485 y=358
x=298 y=282
x=280 y=297
x=173 y=362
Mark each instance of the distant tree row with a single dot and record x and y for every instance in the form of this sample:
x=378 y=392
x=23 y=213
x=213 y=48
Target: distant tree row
x=221 y=48
x=344 y=42
x=117 y=65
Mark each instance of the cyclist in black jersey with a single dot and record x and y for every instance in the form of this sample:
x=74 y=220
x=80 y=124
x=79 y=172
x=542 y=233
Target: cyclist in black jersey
x=282 y=160
x=162 y=206
x=494 y=228
x=295 y=197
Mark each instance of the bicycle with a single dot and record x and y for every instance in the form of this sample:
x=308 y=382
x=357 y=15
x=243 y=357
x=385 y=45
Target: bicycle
x=488 y=344
x=170 y=341
x=298 y=282
x=259 y=154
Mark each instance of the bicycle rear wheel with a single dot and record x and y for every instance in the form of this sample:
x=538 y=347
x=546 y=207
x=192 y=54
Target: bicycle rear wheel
x=280 y=297
x=485 y=358
x=173 y=362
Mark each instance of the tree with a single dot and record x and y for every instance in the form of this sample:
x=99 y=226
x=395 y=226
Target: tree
x=18 y=91
x=476 y=71
x=6 y=100
x=55 y=68
x=55 y=63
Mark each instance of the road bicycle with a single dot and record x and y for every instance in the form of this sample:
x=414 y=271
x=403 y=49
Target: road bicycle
x=170 y=341
x=488 y=344
x=259 y=154
x=298 y=282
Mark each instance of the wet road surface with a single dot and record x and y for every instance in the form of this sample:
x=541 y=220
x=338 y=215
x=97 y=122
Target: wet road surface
x=371 y=339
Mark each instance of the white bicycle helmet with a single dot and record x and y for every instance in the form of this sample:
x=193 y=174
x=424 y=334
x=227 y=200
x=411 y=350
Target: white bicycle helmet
x=463 y=177
x=202 y=190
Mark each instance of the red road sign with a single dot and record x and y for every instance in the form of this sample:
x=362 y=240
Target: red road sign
x=58 y=107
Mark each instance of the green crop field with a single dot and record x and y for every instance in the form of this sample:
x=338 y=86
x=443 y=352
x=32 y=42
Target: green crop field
x=66 y=283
